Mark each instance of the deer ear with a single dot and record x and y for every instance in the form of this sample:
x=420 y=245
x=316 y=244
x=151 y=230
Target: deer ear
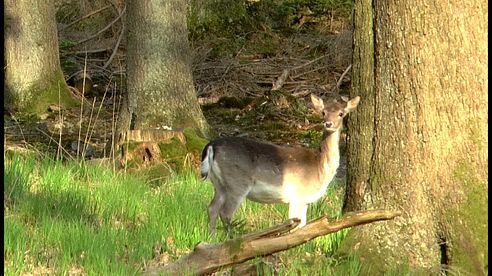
x=352 y=104
x=317 y=102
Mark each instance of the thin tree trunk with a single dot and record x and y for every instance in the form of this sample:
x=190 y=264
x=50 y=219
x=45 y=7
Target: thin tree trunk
x=33 y=77
x=418 y=142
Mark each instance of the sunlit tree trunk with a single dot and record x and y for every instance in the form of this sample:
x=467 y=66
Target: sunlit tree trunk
x=33 y=76
x=160 y=87
x=418 y=141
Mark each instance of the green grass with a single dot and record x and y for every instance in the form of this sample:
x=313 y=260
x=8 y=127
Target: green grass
x=66 y=217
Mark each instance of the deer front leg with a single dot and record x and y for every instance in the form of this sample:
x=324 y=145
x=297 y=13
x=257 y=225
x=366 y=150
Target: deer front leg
x=298 y=210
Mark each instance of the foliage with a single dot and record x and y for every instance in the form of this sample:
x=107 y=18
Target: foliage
x=68 y=11
x=66 y=217
x=227 y=23
x=66 y=44
x=341 y=8
x=234 y=17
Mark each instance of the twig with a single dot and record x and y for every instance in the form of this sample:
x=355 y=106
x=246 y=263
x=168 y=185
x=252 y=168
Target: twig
x=280 y=80
x=226 y=70
x=310 y=71
x=19 y=126
x=85 y=16
x=87 y=138
x=81 y=106
x=301 y=93
x=339 y=82
x=75 y=74
x=100 y=69
x=118 y=72
x=59 y=145
x=285 y=73
x=115 y=49
x=93 y=59
x=93 y=51
x=307 y=63
x=61 y=124
x=103 y=29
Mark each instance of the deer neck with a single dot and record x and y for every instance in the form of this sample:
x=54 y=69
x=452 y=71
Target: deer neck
x=329 y=155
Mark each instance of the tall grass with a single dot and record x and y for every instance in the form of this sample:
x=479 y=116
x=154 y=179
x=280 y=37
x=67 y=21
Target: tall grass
x=72 y=217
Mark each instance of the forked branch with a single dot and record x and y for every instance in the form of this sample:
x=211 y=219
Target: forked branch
x=208 y=258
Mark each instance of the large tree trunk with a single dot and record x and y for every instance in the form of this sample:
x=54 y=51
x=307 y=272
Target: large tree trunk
x=418 y=142
x=160 y=87
x=33 y=77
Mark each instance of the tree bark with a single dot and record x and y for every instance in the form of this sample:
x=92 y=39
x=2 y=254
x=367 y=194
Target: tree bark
x=206 y=259
x=160 y=87
x=418 y=142
x=33 y=76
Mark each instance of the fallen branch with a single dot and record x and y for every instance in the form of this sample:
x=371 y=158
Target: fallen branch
x=208 y=258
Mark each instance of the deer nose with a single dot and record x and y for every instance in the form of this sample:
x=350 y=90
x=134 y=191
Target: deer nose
x=328 y=124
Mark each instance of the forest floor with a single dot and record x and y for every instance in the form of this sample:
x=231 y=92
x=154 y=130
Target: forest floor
x=260 y=91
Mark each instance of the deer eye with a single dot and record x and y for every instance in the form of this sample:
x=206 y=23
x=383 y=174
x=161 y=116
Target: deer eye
x=323 y=113
x=341 y=114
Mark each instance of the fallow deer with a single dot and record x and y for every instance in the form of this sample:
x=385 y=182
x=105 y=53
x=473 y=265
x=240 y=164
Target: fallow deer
x=240 y=168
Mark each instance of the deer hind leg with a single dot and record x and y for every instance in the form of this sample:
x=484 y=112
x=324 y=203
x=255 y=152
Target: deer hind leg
x=213 y=210
x=228 y=209
x=298 y=210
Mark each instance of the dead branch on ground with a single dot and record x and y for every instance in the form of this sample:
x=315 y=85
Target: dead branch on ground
x=208 y=258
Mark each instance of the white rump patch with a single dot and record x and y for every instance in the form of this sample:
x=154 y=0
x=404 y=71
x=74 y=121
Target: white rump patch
x=205 y=165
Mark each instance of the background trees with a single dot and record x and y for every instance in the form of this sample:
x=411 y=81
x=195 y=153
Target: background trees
x=418 y=142
x=160 y=101
x=160 y=87
x=33 y=77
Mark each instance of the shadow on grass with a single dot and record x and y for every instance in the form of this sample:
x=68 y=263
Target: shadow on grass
x=69 y=206
x=20 y=196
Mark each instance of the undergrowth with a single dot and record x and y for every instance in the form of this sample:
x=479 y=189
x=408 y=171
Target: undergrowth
x=64 y=218
x=228 y=25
